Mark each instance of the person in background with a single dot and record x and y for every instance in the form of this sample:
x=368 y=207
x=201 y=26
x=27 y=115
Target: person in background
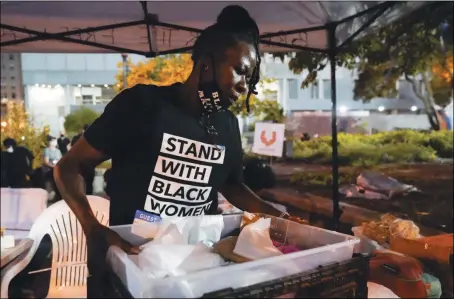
x=16 y=164
x=443 y=119
x=107 y=187
x=77 y=137
x=4 y=169
x=63 y=143
x=305 y=137
x=51 y=156
x=88 y=173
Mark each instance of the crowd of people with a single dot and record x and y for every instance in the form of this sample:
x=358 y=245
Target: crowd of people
x=17 y=165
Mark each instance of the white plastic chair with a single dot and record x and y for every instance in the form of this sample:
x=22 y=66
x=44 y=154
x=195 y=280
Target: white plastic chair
x=69 y=258
x=20 y=207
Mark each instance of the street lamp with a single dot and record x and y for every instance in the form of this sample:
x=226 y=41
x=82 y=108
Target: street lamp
x=343 y=109
x=125 y=69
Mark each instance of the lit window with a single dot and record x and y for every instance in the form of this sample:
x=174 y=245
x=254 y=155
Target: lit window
x=402 y=88
x=327 y=89
x=292 y=89
x=315 y=90
x=87 y=99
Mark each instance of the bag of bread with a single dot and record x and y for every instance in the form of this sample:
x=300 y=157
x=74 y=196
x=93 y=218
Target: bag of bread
x=225 y=249
x=379 y=231
x=404 y=228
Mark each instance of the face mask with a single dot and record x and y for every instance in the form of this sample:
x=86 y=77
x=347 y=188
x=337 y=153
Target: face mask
x=210 y=95
x=10 y=149
x=53 y=144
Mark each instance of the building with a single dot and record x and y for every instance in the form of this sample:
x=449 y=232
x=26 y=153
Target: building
x=11 y=76
x=11 y=79
x=310 y=108
x=57 y=84
x=317 y=97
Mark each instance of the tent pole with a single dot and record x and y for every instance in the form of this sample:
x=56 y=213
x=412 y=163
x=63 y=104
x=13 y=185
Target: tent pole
x=124 y=56
x=332 y=52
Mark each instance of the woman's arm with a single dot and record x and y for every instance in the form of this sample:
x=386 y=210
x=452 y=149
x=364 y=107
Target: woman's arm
x=71 y=184
x=245 y=199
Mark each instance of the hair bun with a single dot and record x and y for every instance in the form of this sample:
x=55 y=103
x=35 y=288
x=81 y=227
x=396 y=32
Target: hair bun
x=234 y=15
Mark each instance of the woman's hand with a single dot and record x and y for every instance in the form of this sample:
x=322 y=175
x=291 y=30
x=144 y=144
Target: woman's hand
x=102 y=237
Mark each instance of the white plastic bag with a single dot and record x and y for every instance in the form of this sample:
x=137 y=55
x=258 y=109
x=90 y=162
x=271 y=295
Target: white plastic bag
x=202 y=257
x=158 y=260
x=190 y=230
x=383 y=184
x=375 y=290
x=366 y=245
x=254 y=241
x=178 y=248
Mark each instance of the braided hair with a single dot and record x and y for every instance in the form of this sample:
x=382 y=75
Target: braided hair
x=233 y=25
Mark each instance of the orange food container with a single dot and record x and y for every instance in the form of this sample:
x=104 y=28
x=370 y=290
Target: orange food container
x=436 y=248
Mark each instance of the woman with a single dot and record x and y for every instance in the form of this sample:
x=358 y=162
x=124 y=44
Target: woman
x=51 y=156
x=173 y=147
x=16 y=164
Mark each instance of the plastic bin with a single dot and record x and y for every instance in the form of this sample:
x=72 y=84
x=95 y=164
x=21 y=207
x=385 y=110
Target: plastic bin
x=346 y=279
x=321 y=247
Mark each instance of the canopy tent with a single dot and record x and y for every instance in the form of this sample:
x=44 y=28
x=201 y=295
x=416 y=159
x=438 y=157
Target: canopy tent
x=153 y=28
x=158 y=28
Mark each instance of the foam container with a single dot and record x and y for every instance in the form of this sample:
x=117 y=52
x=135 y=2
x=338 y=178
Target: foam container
x=321 y=247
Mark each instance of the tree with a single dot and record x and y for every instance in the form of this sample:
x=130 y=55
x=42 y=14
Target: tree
x=409 y=48
x=75 y=121
x=161 y=70
x=442 y=82
x=17 y=125
x=271 y=111
x=239 y=107
x=263 y=110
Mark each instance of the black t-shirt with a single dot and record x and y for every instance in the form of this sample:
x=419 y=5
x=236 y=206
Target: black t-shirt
x=163 y=160
x=19 y=162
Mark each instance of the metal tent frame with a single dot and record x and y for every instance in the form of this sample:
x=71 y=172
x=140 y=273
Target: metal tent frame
x=151 y=20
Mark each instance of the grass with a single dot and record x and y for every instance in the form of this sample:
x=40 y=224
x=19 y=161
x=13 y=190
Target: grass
x=404 y=146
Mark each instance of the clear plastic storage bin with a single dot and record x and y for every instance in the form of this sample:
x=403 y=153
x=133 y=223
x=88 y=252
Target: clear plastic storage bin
x=321 y=247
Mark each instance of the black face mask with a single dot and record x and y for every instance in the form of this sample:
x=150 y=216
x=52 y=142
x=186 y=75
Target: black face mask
x=210 y=94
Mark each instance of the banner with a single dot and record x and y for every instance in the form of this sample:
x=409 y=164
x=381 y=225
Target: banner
x=269 y=139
